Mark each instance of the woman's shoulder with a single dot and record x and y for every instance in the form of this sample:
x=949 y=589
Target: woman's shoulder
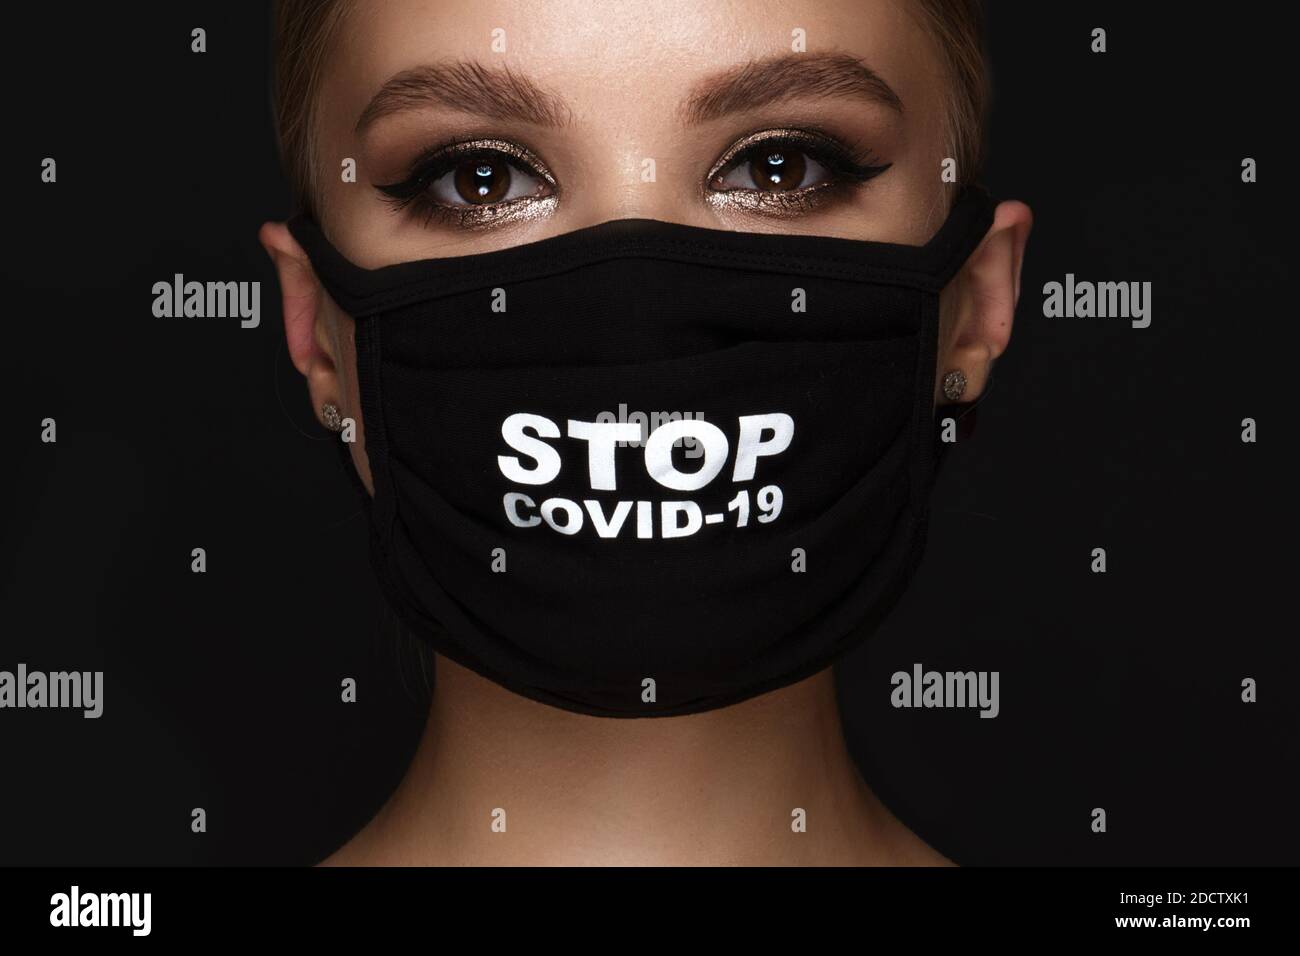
x=369 y=848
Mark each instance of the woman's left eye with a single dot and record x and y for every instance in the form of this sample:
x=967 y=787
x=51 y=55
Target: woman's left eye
x=798 y=162
x=772 y=169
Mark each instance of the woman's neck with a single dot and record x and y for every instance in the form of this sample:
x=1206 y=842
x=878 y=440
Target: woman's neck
x=501 y=780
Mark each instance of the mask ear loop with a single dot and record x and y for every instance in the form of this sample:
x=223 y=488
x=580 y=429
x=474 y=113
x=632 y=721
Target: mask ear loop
x=978 y=205
x=349 y=468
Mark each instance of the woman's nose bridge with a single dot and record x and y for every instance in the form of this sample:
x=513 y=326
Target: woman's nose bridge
x=630 y=181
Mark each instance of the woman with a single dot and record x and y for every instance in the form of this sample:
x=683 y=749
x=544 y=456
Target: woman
x=518 y=217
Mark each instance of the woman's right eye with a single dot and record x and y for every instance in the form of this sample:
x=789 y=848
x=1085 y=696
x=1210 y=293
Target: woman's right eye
x=472 y=182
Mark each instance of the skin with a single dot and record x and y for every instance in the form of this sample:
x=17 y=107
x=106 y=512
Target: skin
x=711 y=788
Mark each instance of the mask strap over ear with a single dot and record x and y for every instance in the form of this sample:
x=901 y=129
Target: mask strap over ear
x=968 y=222
x=349 y=466
x=967 y=225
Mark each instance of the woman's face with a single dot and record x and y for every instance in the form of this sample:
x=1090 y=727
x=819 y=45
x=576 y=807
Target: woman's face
x=497 y=122
x=479 y=125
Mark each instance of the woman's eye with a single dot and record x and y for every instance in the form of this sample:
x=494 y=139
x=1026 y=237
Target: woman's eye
x=485 y=180
x=473 y=184
x=772 y=169
x=788 y=170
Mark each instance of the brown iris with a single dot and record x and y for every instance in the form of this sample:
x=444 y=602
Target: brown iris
x=777 y=170
x=480 y=181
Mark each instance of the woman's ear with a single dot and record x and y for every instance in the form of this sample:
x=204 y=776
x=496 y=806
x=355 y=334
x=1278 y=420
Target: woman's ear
x=311 y=348
x=983 y=301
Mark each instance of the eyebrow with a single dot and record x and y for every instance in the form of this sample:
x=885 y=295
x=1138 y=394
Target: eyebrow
x=468 y=87
x=761 y=82
x=499 y=93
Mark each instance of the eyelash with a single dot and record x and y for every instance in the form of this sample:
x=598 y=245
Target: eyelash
x=850 y=170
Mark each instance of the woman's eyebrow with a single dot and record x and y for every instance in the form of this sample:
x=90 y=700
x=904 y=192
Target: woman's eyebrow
x=499 y=93
x=769 y=80
x=467 y=87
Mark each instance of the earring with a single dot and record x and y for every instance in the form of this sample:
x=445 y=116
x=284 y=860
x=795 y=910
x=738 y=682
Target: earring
x=331 y=418
x=954 y=384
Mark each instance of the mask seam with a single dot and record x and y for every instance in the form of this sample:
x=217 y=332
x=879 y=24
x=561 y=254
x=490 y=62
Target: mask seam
x=923 y=431
x=376 y=425
x=366 y=304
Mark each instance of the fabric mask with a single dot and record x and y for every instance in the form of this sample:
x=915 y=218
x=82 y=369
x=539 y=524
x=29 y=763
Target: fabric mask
x=647 y=469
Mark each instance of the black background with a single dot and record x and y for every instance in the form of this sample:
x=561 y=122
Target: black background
x=1119 y=690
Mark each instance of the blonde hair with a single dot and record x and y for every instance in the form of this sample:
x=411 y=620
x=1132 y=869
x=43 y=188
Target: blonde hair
x=304 y=32
x=958 y=30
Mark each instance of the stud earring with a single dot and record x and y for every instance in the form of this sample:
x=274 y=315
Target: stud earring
x=954 y=385
x=331 y=418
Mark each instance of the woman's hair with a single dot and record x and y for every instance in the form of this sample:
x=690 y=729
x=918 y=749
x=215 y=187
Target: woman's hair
x=305 y=31
x=957 y=26
x=303 y=35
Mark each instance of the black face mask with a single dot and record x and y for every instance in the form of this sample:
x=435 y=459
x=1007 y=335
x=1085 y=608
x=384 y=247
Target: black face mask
x=769 y=522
